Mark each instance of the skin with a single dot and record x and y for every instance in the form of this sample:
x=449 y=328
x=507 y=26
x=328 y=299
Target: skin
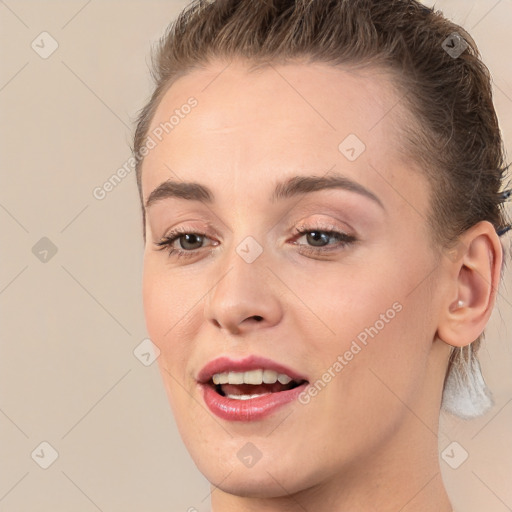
x=368 y=441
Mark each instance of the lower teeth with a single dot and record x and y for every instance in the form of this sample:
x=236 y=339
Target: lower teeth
x=245 y=397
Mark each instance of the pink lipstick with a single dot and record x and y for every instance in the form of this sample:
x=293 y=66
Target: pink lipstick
x=249 y=389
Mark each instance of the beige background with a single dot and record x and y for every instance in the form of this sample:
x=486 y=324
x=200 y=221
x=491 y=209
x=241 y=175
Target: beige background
x=69 y=325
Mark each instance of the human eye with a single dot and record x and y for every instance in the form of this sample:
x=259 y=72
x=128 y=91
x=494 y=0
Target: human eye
x=320 y=240
x=323 y=239
x=190 y=242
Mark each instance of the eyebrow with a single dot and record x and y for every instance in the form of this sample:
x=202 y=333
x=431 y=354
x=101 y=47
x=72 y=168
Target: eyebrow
x=294 y=186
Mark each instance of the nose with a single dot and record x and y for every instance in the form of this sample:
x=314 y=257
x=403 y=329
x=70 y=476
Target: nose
x=245 y=297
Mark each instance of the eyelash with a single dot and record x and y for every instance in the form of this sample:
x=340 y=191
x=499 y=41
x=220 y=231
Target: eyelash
x=344 y=240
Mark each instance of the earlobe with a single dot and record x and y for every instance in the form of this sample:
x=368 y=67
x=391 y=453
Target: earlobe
x=471 y=293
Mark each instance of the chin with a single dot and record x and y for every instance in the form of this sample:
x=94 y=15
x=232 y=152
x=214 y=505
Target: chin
x=264 y=482
x=277 y=473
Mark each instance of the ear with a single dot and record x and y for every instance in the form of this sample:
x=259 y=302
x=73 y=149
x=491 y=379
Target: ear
x=473 y=269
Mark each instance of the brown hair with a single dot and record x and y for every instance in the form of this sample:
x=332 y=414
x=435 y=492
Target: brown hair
x=455 y=137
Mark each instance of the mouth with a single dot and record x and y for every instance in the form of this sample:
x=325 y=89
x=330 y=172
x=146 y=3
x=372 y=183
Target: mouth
x=252 y=384
x=250 y=389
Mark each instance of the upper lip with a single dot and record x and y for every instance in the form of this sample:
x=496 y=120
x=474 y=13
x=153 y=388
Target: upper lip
x=253 y=362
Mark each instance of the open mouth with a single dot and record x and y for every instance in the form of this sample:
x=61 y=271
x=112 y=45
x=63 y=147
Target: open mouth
x=252 y=384
x=250 y=389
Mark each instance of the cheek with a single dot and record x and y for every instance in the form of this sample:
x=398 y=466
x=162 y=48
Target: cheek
x=171 y=310
x=155 y=305
x=344 y=302
x=373 y=324
x=167 y=299
x=163 y=310
x=365 y=389
x=162 y=313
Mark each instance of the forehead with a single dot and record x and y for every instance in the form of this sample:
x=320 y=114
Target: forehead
x=254 y=126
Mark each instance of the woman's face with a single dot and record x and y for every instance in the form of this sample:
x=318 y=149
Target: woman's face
x=347 y=308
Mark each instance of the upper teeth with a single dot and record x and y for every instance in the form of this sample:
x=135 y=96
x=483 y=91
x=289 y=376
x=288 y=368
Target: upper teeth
x=251 y=377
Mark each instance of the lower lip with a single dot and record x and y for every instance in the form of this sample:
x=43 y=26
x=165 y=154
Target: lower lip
x=248 y=410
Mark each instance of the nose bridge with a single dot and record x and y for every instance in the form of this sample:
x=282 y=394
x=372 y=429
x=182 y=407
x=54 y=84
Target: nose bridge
x=243 y=295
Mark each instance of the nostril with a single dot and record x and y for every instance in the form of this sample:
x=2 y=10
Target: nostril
x=258 y=318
